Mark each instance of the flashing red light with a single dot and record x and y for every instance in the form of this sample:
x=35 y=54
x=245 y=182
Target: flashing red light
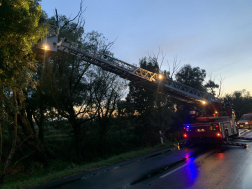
x=184 y=127
x=218 y=134
x=185 y=135
x=216 y=126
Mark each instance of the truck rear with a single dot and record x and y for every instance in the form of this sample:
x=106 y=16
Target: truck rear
x=210 y=132
x=203 y=133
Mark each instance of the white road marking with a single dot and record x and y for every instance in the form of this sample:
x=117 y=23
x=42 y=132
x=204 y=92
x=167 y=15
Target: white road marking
x=173 y=171
x=244 y=131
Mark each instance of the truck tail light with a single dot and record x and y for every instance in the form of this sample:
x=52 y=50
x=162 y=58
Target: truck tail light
x=185 y=135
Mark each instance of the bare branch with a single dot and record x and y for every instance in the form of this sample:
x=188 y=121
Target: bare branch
x=77 y=16
x=220 y=87
x=175 y=66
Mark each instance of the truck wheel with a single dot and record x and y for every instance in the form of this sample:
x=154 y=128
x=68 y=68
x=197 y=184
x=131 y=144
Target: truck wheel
x=226 y=135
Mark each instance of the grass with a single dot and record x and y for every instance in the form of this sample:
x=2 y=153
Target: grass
x=41 y=177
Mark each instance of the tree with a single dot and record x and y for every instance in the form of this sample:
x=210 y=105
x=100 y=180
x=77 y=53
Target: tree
x=210 y=85
x=150 y=107
x=17 y=35
x=73 y=84
x=241 y=102
x=20 y=29
x=109 y=89
x=192 y=77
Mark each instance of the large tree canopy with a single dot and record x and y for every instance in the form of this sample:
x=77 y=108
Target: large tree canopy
x=19 y=30
x=193 y=77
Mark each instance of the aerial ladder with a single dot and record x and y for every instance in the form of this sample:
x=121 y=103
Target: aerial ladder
x=125 y=70
x=50 y=45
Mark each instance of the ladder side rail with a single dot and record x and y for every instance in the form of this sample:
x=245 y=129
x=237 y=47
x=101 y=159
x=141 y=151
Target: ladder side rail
x=184 y=88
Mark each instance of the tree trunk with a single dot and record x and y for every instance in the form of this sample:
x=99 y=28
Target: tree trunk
x=1 y=121
x=40 y=123
x=77 y=141
x=14 y=140
x=41 y=133
x=1 y=141
x=77 y=133
x=42 y=152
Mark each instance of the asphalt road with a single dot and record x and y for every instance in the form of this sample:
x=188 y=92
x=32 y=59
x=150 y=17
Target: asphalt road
x=190 y=167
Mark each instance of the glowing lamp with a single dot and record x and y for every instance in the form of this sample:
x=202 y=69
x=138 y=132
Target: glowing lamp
x=185 y=135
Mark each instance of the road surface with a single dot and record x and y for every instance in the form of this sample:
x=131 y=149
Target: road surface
x=226 y=167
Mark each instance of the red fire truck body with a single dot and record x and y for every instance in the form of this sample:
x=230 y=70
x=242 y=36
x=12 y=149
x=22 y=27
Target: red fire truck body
x=211 y=130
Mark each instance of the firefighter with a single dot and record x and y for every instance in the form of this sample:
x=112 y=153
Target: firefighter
x=226 y=104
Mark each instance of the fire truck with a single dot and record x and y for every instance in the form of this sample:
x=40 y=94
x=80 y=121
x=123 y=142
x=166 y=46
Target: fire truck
x=210 y=127
x=213 y=129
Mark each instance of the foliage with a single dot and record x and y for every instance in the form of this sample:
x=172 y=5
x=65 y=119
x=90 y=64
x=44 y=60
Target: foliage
x=241 y=102
x=20 y=28
x=193 y=77
x=210 y=85
x=81 y=92
x=150 y=107
x=108 y=90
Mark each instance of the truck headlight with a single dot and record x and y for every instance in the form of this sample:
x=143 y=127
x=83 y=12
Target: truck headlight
x=246 y=123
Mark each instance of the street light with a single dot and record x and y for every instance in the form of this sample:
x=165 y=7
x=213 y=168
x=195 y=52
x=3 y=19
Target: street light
x=160 y=76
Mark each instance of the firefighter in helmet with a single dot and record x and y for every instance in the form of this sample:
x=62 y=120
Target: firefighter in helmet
x=226 y=104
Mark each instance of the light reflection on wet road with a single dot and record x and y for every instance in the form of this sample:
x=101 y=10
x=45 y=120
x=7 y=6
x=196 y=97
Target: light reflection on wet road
x=227 y=167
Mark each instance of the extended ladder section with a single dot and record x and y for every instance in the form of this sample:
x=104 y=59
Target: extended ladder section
x=127 y=71
x=138 y=75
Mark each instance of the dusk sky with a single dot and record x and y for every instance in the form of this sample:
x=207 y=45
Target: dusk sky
x=215 y=35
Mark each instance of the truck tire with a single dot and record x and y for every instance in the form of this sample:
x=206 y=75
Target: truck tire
x=226 y=135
